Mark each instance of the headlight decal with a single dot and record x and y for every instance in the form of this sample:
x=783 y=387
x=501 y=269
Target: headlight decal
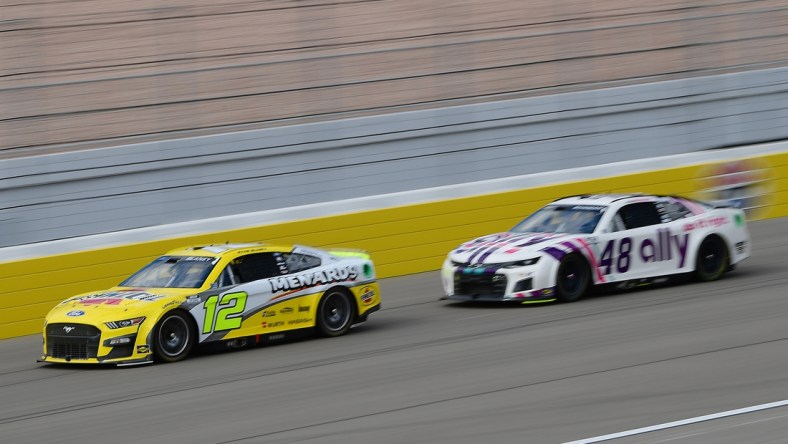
x=522 y=263
x=120 y=340
x=125 y=323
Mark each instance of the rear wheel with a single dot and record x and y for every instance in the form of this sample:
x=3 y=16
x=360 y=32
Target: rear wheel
x=335 y=313
x=573 y=278
x=173 y=337
x=712 y=260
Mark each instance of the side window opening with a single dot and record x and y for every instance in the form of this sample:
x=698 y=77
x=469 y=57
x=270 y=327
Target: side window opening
x=254 y=267
x=673 y=210
x=618 y=223
x=641 y=214
x=299 y=262
x=227 y=277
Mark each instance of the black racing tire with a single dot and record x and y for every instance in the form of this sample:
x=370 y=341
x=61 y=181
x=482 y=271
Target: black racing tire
x=335 y=313
x=573 y=278
x=713 y=259
x=173 y=337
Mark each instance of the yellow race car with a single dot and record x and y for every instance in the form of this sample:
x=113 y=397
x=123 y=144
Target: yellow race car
x=232 y=294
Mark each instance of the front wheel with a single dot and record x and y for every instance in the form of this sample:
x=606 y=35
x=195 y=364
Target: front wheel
x=334 y=313
x=712 y=260
x=573 y=278
x=173 y=337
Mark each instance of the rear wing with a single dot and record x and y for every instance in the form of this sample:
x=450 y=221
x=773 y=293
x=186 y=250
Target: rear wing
x=349 y=252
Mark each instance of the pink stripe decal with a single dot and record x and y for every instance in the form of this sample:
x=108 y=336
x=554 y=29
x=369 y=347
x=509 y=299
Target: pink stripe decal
x=592 y=257
x=695 y=208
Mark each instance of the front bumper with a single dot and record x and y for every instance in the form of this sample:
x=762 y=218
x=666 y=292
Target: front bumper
x=527 y=297
x=491 y=283
x=73 y=343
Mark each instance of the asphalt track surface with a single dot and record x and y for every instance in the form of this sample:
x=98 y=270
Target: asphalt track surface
x=429 y=371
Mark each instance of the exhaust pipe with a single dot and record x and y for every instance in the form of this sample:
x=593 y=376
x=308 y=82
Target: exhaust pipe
x=237 y=343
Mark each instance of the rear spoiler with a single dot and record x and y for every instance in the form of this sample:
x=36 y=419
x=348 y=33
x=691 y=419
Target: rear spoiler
x=349 y=252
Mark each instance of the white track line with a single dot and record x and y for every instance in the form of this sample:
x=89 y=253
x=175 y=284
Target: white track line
x=682 y=422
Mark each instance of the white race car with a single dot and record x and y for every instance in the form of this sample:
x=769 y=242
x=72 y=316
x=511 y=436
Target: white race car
x=573 y=243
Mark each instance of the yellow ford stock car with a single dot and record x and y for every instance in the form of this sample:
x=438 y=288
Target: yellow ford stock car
x=233 y=294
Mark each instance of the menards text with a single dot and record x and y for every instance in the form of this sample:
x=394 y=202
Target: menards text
x=313 y=278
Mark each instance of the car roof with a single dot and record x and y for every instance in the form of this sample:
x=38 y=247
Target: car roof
x=605 y=199
x=215 y=250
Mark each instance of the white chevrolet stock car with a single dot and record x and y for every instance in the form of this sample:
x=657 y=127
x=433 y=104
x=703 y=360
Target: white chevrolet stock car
x=576 y=242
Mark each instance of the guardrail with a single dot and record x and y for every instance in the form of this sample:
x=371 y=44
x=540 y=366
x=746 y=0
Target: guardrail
x=406 y=232
x=106 y=190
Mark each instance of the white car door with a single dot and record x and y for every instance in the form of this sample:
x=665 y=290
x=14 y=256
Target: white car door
x=640 y=244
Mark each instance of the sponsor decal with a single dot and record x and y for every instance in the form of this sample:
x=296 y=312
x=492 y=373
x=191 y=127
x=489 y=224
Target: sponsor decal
x=664 y=247
x=276 y=336
x=589 y=208
x=68 y=329
x=143 y=349
x=299 y=321
x=115 y=297
x=268 y=313
x=313 y=278
x=272 y=324
x=75 y=313
x=303 y=309
x=708 y=222
x=286 y=310
x=97 y=301
x=198 y=259
x=170 y=304
x=367 y=295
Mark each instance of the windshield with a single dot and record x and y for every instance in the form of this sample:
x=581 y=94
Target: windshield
x=173 y=272
x=562 y=219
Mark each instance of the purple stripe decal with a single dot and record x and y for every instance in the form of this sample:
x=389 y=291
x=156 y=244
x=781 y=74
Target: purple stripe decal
x=537 y=239
x=557 y=253
x=570 y=245
x=503 y=242
x=486 y=255
x=476 y=251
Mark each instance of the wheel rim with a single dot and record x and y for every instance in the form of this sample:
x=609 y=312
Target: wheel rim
x=173 y=336
x=336 y=311
x=711 y=258
x=572 y=277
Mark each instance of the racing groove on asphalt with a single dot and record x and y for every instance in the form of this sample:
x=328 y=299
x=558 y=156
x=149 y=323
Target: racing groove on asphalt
x=423 y=370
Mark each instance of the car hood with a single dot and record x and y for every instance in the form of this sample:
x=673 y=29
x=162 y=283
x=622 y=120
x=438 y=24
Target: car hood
x=116 y=304
x=506 y=246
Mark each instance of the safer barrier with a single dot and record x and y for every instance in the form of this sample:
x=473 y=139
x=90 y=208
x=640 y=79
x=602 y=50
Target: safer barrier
x=74 y=194
x=407 y=238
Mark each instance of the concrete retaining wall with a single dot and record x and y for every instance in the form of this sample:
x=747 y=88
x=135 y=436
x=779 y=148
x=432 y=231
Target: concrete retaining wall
x=405 y=232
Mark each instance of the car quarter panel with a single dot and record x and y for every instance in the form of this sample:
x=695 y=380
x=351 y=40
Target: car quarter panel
x=280 y=303
x=727 y=223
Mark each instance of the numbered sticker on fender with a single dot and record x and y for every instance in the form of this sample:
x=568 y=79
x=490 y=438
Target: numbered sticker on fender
x=618 y=255
x=224 y=312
